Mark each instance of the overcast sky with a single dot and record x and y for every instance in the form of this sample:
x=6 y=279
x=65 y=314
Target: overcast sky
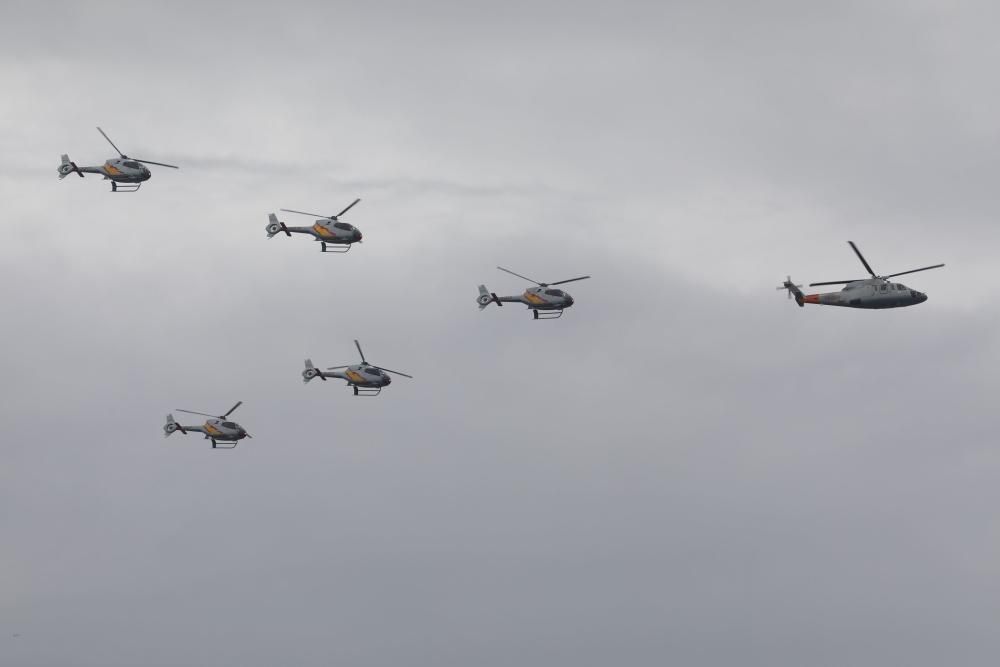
x=686 y=469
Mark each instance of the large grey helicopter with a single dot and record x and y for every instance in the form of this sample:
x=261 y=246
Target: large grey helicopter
x=126 y=174
x=216 y=429
x=874 y=292
x=366 y=379
x=542 y=299
x=328 y=230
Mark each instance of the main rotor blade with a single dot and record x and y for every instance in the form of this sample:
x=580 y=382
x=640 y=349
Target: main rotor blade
x=348 y=208
x=836 y=282
x=192 y=412
x=903 y=273
x=570 y=280
x=159 y=164
x=862 y=258
x=232 y=409
x=389 y=370
x=519 y=275
x=315 y=215
x=110 y=142
x=335 y=368
x=359 y=351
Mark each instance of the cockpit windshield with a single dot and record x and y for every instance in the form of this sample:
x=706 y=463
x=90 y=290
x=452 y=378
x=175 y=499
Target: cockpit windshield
x=343 y=225
x=132 y=165
x=231 y=425
x=554 y=292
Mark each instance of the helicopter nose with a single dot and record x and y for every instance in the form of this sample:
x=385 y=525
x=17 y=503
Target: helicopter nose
x=357 y=234
x=388 y=379
x=569 y=301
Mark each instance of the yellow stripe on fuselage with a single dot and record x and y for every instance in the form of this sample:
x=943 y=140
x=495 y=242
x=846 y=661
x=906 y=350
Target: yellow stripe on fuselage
x=211 y=430
x=323 y=231
x=356 y=377
x=535 y=299
x=112 y=171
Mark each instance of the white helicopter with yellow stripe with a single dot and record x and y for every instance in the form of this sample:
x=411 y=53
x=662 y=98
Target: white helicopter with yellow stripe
x=217 y=429
x=126 y=174
x=542 y=299
x=366 y=379
x=328 y=230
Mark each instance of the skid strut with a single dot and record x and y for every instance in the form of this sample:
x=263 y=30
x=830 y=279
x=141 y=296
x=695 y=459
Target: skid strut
x=366 y=391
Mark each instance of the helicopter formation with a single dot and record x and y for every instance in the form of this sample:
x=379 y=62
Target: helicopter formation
x=544 y=300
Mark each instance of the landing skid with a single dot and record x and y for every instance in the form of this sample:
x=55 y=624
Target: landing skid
x=548 y=314
x=124 y=187
x=366 y=391
x=339 y=251
x=216 y=445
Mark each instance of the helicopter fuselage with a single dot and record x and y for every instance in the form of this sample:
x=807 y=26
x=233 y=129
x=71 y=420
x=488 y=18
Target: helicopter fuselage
x=325 y=230
x=872 y=293
x=541 y=298
x=362 y=376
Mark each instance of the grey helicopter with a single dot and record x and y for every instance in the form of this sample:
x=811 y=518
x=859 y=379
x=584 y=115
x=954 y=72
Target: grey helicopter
x=223 y=434
x=367 y=379
x=126 y=174
x=334 y=236
x=874 y=293
x=544 y=302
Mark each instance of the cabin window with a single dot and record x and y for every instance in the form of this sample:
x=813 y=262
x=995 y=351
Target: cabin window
x=343 y=225
x=883 y=288
x=229 y=425
x=132 y=165
x=554 y=292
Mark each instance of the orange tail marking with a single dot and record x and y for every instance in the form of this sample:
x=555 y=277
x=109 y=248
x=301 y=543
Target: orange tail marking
x=811 y=298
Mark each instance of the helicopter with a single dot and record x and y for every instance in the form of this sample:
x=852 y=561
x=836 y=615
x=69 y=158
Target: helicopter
x=875 y=293
x=328 y=230
x=545 y=303
x=216 y=429
x=126 y=174
x=366 y=379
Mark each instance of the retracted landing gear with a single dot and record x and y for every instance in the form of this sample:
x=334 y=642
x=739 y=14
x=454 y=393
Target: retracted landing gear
x=337 y=249
x=548 y=314
x=366 y=391
x=124 y=187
